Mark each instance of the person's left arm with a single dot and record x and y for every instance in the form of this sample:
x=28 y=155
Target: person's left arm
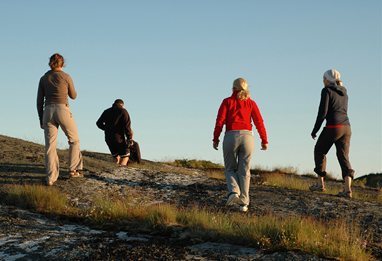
x=72 y=93
x=259 y=124
x=127 y=126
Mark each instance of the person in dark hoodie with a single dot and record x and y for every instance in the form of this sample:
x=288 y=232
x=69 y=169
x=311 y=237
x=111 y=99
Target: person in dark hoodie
x=333 y=107
x=116 y=124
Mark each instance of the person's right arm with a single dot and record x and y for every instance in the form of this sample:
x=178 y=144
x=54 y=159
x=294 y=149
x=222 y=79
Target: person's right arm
x=40 y=102
x=322 y=111
x=101 y=122
x=220 y=121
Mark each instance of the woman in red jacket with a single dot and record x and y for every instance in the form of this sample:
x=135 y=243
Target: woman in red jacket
x=237 y=113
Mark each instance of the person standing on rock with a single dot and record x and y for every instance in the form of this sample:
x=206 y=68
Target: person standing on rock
x=237 y=113
x=333 y=107
x=53 y=110
x=116 y=124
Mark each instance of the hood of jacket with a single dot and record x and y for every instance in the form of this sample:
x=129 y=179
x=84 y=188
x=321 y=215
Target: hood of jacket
x=338 y=89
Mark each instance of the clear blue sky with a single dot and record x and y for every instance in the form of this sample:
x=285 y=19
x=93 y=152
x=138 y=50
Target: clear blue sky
x=174 y=61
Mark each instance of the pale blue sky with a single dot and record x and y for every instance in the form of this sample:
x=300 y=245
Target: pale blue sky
x=174 y=61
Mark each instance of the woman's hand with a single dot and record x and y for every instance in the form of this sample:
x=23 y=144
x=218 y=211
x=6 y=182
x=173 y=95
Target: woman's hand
x=264 y=146
x=215 y=145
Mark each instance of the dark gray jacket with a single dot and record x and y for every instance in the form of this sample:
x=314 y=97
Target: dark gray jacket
x=333 y=107
x=116 y=123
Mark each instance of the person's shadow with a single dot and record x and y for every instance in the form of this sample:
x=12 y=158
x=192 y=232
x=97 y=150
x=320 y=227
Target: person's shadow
x=15 y=173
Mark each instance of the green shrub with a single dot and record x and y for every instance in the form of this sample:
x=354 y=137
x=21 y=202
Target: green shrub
x=195 y=164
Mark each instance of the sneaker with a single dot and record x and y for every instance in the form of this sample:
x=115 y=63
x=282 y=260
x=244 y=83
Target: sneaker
x=233 y=198
x=345 y=194
x=75 y=174
x=243 y=208
x=317 y=187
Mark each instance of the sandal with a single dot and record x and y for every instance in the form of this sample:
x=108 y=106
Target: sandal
x=317 y=187
x=75 y=174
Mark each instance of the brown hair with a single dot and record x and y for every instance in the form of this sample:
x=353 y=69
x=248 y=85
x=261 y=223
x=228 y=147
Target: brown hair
x=56 y=61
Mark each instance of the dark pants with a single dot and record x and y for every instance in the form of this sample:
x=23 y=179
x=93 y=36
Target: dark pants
x=118 y=148
x=341 y=138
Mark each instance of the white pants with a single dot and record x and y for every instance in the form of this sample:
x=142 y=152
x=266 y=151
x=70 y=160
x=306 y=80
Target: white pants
x=237 y=149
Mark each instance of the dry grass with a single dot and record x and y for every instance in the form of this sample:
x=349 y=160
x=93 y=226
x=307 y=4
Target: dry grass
x=121 y=212
x=334 y=239
x=291 y=181
x=41 y=198
x=286 y=181
x=216 y=174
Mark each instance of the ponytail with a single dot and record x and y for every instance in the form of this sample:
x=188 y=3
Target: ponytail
x=240 y=85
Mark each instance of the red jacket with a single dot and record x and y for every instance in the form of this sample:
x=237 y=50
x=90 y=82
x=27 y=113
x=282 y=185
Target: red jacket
x=237 y=114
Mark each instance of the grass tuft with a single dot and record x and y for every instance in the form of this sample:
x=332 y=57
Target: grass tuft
x=336 y=239
x=161 y=215
x=286 y=181
x=215 y=174
x=194 y=164
x=291 y=181
x=37 y=197
x=333 y=239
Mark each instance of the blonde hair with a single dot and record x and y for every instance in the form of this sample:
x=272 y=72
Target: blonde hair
x=333 y=76
x=241 y=86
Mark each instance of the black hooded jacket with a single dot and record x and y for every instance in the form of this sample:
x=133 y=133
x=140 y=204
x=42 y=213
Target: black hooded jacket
x=116 y=123
x=333 y=107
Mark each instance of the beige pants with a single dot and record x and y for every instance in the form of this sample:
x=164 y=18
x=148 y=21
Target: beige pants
x=59 y=115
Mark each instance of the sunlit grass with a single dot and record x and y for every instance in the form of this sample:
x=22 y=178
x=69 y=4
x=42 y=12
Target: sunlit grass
x=41 y=198
x=286 y=181
x=296 y=182
x=333 y=239
x=194 y=164
x=216 y=174
x=121 y=211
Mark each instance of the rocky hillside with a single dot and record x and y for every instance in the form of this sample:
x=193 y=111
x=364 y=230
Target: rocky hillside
x=373 y=180
x=28 y=235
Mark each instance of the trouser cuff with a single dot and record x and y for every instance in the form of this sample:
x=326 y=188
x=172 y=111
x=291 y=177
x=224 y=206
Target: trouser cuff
x=350 y=174
x=320 y=173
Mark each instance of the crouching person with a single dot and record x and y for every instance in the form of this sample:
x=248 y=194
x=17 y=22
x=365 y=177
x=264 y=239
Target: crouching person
x=116 y=124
